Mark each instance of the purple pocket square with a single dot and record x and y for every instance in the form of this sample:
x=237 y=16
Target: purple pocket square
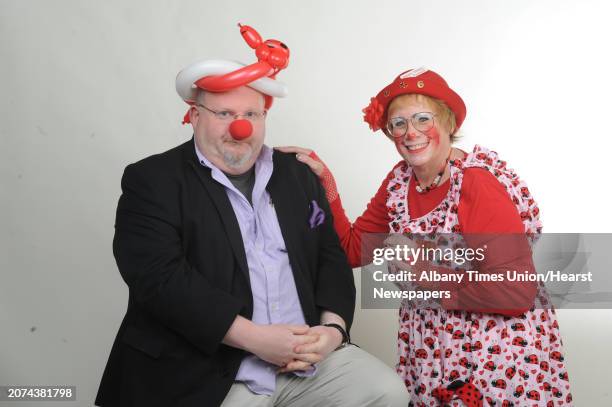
x=317 y=216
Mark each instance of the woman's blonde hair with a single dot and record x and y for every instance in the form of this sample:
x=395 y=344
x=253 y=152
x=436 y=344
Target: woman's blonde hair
x=445 y=115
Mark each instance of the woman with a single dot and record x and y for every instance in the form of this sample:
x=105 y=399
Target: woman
x=481 y=352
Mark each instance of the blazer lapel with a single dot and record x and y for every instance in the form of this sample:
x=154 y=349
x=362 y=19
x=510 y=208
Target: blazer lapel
x=226 y=212
x=282 y=194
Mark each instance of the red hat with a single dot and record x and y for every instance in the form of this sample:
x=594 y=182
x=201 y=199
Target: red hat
x=420 y=81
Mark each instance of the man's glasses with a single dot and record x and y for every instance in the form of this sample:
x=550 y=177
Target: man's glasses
x=226 y=115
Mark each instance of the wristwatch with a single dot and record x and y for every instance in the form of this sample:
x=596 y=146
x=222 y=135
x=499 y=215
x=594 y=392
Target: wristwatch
x=346 y=339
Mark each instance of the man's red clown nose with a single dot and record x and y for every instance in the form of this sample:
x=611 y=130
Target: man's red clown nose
x=240 y=129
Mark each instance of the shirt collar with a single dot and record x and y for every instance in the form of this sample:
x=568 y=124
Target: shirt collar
x=264 y=166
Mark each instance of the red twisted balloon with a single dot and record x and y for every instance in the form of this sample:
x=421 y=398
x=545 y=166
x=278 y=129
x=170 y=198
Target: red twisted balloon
x=272 y=56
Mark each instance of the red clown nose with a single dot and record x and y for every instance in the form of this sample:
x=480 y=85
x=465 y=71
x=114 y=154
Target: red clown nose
x=240 y=129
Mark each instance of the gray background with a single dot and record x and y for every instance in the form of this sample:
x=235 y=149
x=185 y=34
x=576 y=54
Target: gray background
x=88 y=87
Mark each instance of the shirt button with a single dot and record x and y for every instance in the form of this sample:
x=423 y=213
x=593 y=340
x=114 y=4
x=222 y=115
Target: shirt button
x=274 y=306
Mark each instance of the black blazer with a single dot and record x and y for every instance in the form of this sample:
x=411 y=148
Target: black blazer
x=179 y=249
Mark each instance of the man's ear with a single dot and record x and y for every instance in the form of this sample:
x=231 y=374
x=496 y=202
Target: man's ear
x=194 y=115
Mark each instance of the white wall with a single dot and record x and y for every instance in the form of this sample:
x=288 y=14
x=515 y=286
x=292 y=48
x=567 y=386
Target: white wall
x=88 y=87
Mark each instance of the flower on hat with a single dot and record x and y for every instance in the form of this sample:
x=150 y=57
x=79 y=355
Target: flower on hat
x=373 y=113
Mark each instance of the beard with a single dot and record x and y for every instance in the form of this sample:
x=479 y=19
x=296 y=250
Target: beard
x=235 y=159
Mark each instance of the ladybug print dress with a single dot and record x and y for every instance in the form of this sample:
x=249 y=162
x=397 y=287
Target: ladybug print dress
x=504 y=360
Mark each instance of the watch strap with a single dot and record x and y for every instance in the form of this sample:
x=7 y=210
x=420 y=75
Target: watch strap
x=346 y=339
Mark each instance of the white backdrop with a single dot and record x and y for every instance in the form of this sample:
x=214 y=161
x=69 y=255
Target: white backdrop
x=88 y=87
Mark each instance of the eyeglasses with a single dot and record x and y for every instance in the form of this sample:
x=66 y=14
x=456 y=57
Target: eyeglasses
x=226 y=115
x=422 y=121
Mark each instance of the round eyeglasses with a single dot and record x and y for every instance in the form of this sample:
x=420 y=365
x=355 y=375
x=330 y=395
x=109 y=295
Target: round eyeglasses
x=422 y=122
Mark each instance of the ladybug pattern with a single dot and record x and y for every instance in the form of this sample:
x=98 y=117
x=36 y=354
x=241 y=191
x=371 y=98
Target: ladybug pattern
x=509 y=361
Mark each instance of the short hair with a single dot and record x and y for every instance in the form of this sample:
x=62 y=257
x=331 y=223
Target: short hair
x=200 y=93
x=447 y=116
x=199 y=96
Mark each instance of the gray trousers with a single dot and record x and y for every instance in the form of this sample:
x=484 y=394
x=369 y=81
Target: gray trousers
x=347 y=377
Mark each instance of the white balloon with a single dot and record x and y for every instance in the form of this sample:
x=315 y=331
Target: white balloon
x=186 y=78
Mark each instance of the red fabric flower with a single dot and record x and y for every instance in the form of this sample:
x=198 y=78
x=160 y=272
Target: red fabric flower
x=373 y=113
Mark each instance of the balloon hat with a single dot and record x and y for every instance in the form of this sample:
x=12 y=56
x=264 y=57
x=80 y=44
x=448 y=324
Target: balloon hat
x=222 y=75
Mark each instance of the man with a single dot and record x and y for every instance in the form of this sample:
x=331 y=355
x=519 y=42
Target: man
x=234 y=270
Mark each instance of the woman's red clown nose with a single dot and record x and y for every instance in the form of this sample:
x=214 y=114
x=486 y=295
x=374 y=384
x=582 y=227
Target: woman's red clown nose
x=240 y=129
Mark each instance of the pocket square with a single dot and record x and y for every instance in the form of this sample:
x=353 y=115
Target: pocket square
x=317 y=216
